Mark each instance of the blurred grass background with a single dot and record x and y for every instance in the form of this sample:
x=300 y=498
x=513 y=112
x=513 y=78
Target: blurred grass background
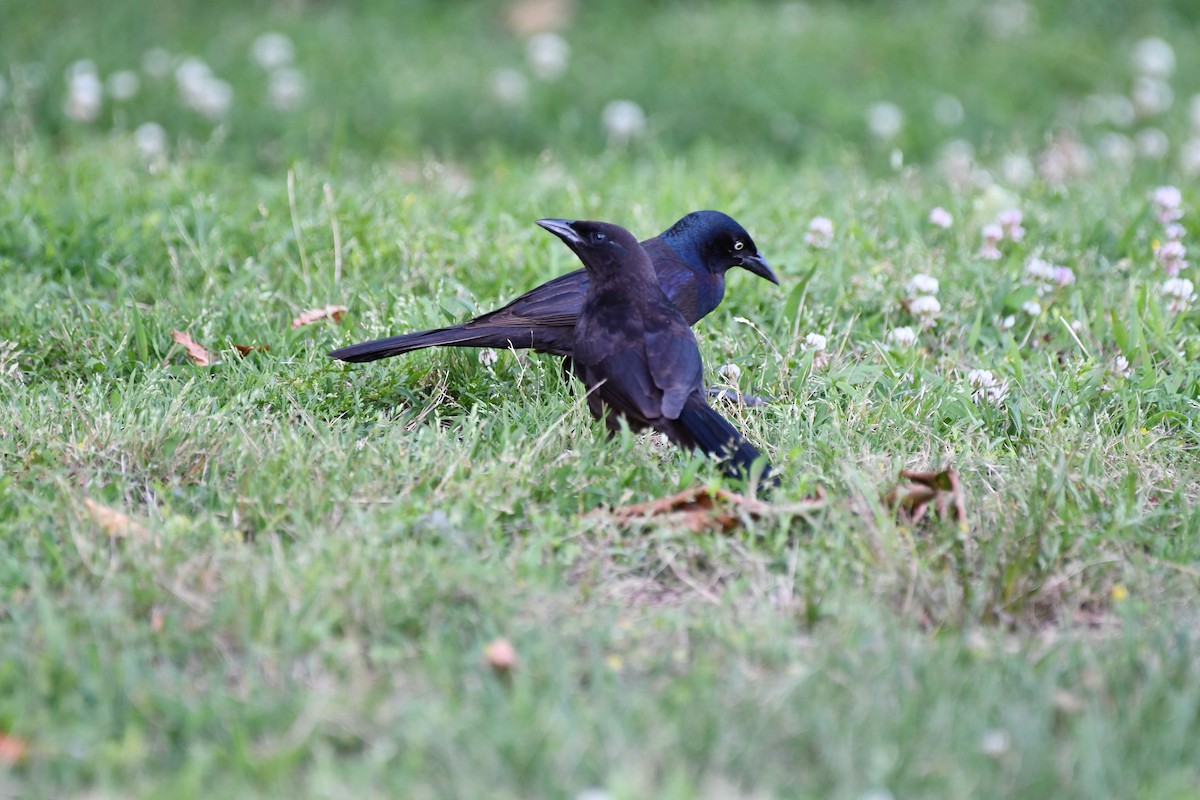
x=785 y=80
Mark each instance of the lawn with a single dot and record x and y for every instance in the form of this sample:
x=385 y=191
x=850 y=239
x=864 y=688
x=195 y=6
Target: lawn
x=280 y=575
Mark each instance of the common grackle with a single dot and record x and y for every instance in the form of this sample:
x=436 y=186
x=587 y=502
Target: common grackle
x=635 y=352
x=691 y=258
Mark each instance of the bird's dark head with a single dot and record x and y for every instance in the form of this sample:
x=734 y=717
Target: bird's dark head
x=716 y=242
x=603 y=248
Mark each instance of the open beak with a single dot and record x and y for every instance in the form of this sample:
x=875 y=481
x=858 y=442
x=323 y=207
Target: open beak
x=756 y=264
x=563 y=229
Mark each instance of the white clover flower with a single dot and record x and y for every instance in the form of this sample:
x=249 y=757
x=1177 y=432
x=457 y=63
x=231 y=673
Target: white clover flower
x=992 y=234
x=123 y=85
x=1066 y=159
x=1007 y=323
x=1154 y=56
x=922 y=284
x=1117 y=149
x=151 y=140
x=884 y=120
x=926 y=308
x=815 y=343
x=995 y=743
x=509 y=87
x=201 y=90
x=286 y=89
x=941 y=217
x=85 y=93
x=1167 y=201
x=902 y=337
x=1017 y=169
x=623 y=120
x=156 y=62
x=1064 y=276
x=820 y=233
x=1152 y=144
x=985 y=387
x=488 y=356
x=1174 y=232
x=548 y=54
x=1042 y=273
x=1077 y=325
x=1189 y=157
x=1119 y=366
x=1152 y=96
x=1172 y=256
x=272 y=50
x=1031 y=307
x=1182 y=293
x=730 y=373
x=1010 y=221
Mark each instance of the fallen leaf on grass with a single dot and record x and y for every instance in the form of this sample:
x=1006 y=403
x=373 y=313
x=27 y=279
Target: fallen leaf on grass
x=501 y=656
x=115 y=523
x=703 y=509
x=197 y=352
x=334 y=313
x=12 y=749
x=247 y=349
x=942 y=490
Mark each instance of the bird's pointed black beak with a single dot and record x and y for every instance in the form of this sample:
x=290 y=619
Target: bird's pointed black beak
x=758 y=265
x=563 y=229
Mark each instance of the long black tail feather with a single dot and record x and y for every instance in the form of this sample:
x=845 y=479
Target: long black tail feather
x=714 y=434
x=454 y=336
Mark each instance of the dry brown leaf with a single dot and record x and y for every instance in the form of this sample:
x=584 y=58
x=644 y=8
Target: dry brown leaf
x=334 y=313
x=12 y=749
x=157 y=620
x=501 y=656
x=701 y=509
x=942 y=490
x=247 y=349
x=197 y=352
x=115 y=523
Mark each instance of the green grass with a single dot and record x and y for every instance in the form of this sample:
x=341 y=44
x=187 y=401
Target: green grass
x=325 y=549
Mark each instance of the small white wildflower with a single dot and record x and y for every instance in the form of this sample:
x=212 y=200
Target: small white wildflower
x=815 y=343
x=272 y=50
x=1010 y=221
x=623 y=120
x=884 y=120
x=548 y=54
x=995 y=743
x=1064 y=276
x=1017 y=169
x=488 y=356
x=360 y=444
x=286 y=89
x=1077 y=325
x=948 y=111
x=85 y=94
x=1007 y=323
x=1172 y=255
x=985 y=387
x=201 y=90
x=1119 y=366
x=1031 y=307
x=729 y=373
x=1041 y=272
x=922 y=284
x=1167 y=201
x=1152 y=144
x=151 y=140
x=156 y=62
x=926 y=308
x=902 y=337
x=1152 y=96
x=1117 y=149
x=123 y=85
x=941 y=217
x=1189 y=157
x=1182 y=293
x=1174 y=232
x=992 y=234
x=1154 y=56
x=509 y=87
x=820 y=233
